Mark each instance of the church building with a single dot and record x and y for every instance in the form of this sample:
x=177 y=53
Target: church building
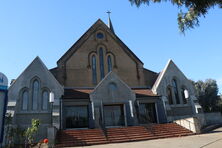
x=99 y=83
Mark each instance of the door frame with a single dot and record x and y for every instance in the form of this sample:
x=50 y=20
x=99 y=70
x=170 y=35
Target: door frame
x=148 y=102
x=77 y=105
x=115 y=104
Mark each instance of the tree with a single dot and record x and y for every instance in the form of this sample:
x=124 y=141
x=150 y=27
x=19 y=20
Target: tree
x=194 y=9
x=207 y=94
x=31 y=131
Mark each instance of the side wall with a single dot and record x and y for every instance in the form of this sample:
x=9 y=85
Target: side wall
x=25 y=82
x=175 y=110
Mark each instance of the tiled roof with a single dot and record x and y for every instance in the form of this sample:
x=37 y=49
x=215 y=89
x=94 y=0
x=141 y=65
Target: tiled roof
x=84 y=93
x=77 y=93
x=144 y=92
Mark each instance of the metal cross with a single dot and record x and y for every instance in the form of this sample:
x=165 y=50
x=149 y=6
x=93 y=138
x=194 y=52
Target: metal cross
x=108 y=12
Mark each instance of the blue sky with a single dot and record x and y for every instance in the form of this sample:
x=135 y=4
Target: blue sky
x=47 y=28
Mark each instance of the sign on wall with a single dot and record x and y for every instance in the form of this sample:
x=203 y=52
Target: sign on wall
x=3 y=101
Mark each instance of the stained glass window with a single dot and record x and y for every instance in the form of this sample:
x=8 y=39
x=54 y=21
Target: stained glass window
x=175 y=89
x=45 y=100
x=169 y=96
x=101 y=61
x=35 y=92
x=25 y=100
x=94 y=76
x=109 y=61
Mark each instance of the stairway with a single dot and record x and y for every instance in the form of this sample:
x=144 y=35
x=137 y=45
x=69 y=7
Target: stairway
x=154 y=131
x=168 y=130
x=85 y=137
x=127 y=134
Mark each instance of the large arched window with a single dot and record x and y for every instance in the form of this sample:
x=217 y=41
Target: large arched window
x=94 y=76
x=169 y=95
x=175 y=89
x=35 y=92
x=183 y=95
x=45 y=100
x=101 y=61
x=109 y=62
x=25 y=98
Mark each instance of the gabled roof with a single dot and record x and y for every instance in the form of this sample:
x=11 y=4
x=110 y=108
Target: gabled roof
x=36 y=61
x=169 y=64
x=111 y=77
x=81 y=40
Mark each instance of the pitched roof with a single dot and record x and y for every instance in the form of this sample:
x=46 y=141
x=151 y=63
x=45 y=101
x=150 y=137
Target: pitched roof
x=37 y=61
x=110 y=25
x=162 y=74
x=98 y=23
x=144 y=93
x=77 y=93
x=72 y=93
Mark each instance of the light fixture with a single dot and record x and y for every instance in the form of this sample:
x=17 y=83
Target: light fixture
x=186 y=93
x=51 y=101
x=131 y=108
x=51 y=97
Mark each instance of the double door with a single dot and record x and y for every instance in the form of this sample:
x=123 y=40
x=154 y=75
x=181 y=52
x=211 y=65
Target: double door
x=113 y=115
x=76 y=116
x=147 y=113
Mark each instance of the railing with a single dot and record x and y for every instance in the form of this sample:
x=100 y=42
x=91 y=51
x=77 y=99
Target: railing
x=102 y=125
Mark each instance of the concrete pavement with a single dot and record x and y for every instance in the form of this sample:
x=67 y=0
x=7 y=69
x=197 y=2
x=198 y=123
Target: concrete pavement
x=209 y=140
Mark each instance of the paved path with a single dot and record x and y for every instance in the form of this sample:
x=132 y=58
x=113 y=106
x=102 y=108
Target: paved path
x=210 y=140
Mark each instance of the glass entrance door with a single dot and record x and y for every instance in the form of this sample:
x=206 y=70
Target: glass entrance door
x=114 y=115
x=76 y=116
x=147 y=113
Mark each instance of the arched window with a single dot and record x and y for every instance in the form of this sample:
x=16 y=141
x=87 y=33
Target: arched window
x=101 y=61
x=94 y=76
x=183 y=95
x=109 y=61
x=169 y=96
x=45 y=100
x=175 y=89
x=25 y=97
x=35 y=92
x=112 y=89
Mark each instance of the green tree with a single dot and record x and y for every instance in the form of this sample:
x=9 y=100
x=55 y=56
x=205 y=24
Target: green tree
x=31 y=131
x=207 y=94
x=194 y=9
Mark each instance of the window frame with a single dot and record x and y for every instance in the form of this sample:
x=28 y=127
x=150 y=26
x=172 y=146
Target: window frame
x=176 y=92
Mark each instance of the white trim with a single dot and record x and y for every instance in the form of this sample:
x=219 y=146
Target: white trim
x=124 y=113
x=157 y=116
x=160 y=77
x=93 y=112
x=131 y=108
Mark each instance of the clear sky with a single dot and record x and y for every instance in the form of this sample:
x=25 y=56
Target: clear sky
x=48 y=28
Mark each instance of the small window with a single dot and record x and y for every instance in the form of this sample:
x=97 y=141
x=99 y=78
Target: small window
x=25 y=100
x=169 y=96
x=45 y=100
x=100 y=35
